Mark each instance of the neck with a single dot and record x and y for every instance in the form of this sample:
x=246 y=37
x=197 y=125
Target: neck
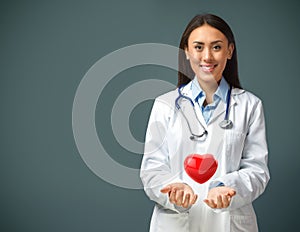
x=209 y=88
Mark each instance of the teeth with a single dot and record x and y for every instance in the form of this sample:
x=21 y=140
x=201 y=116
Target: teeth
x=207 y=67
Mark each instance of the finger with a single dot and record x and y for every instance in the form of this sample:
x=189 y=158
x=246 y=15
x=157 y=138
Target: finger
x=179 y=197
x=172 y=196
x=219 y=202
x=229 y=200
x=225 y=201
x=166 y=189
x=210 y=203
x=193 y=199
x=186 y=202
x=231 y=193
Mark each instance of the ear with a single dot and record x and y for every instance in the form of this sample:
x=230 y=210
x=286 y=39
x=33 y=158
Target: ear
x=230 y=50
x=186 y=54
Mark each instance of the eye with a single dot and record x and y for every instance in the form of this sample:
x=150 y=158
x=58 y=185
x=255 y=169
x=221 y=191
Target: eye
x=217 y=47
x=198 y=47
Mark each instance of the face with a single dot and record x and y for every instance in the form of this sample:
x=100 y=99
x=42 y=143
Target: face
x=208 y=51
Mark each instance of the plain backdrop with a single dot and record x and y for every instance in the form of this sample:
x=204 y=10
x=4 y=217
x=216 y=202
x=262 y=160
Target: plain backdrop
x=46 y=47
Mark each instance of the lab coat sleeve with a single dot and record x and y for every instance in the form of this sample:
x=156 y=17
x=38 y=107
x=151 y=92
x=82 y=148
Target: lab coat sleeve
x=155 y=170
x=251 y=179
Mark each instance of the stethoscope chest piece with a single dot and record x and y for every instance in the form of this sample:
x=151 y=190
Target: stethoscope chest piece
x=226 y=124
x=201 y=137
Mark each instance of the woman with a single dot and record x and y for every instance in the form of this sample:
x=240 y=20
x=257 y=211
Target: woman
x=208 y=68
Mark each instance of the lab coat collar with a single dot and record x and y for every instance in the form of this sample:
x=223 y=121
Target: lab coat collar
x=237 y=91
x=186 y=91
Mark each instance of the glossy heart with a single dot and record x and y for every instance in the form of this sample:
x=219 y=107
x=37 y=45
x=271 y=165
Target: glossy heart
x=200 y=167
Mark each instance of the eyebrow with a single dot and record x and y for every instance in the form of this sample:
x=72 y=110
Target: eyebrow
x=213 y=42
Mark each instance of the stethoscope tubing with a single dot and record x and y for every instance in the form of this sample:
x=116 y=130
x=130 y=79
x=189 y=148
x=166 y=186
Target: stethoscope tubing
x=225 y=124
x=228 y=103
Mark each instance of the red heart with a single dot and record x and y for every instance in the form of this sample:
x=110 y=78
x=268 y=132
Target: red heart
x=200 y=167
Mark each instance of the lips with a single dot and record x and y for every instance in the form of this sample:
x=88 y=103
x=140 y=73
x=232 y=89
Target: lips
x=208 y=67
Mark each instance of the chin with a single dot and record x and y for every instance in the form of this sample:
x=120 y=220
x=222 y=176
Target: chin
x=207 y=77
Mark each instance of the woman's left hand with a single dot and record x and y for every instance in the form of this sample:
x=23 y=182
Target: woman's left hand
x=219 y=197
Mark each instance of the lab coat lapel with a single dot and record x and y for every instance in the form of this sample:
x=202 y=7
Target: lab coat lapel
x=221 y=108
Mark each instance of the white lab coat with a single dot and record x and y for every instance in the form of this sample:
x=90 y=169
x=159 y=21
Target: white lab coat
x=241 y=153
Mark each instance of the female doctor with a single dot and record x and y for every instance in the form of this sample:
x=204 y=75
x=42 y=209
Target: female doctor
x=209 y=112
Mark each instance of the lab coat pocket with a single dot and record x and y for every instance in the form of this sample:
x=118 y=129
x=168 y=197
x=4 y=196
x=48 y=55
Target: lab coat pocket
x=234 y=143
x=243 y=223
x=172 y=221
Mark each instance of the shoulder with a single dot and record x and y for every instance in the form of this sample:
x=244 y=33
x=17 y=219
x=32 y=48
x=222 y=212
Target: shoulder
x=171 y=96
x=167 y=100
x=245 y=97
x=163 y=108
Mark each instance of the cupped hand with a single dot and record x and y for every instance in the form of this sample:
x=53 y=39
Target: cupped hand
x=180 y=194
x=219 y=197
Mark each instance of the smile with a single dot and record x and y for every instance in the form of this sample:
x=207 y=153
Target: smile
x=208 y=68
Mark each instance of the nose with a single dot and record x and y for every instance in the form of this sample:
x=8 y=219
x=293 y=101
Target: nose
x=207 y=55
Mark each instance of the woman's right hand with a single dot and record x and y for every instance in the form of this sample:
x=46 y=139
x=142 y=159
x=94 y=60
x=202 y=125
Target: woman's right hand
x=180 y=194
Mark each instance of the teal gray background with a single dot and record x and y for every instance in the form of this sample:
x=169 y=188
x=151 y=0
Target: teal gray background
x=46 y=47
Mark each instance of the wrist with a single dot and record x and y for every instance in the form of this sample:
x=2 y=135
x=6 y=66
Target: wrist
x=215 y=184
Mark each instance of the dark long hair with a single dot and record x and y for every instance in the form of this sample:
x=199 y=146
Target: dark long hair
x=185 y=72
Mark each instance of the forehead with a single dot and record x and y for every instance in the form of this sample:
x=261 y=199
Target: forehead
x=206 y=33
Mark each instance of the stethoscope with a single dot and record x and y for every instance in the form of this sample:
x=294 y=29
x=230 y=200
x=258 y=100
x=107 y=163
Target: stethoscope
x=226 y=123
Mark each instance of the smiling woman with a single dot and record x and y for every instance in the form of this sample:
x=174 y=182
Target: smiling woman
x=208 y=83
x=220 y=33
